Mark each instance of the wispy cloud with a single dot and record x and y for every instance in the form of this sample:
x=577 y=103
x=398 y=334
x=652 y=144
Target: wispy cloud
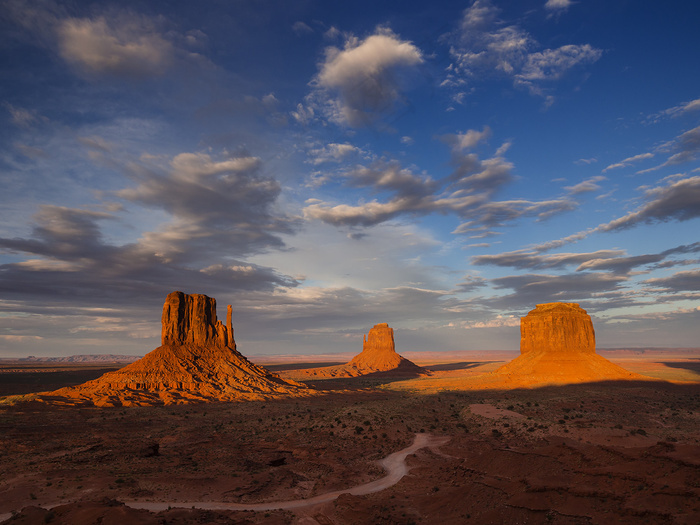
x=484 y=45
x=468 y=192
x=558 y=5
x=629 y=161
x=676 y=111
x=586 y=185
x=677 y=200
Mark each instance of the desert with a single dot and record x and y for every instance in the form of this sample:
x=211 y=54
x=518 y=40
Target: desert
x=460 y=441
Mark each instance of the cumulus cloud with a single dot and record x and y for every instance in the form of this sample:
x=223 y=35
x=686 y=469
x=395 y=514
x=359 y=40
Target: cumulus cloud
x=357 y=84
x=484 y=44
x=215 y=213
x=213 y=203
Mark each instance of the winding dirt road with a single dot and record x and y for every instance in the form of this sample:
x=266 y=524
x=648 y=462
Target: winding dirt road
x=394 y=464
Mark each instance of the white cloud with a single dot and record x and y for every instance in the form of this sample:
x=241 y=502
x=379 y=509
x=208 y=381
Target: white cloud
x=471 y=138
x=361 y=81
x=301 y=28
x=484 y=45
x=586 y=185
x=333 y=153
x=126 y=45
x=467 y=192
x=558 y=5
x=676 y=111
x=628 y=161
x=678 y=200
x=22 y=117
x=551 y=64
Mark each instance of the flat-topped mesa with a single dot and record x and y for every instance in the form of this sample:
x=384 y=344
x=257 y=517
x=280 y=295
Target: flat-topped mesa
x=557 y=346
x=191 y=319
x=557 y=328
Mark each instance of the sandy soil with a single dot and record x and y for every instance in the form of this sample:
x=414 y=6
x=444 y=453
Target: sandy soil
x=623 y=452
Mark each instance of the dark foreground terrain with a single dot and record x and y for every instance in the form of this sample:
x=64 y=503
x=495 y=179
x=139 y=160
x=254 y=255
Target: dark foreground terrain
x=624 y=452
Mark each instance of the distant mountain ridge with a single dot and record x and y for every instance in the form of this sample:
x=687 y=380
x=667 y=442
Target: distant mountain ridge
x=79 y=358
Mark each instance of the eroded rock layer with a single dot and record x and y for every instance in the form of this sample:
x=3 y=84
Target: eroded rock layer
x=557 y=346
x=197 y=361
x=557 y=328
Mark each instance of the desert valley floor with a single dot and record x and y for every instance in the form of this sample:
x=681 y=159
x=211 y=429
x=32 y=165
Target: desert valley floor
x=606 y=452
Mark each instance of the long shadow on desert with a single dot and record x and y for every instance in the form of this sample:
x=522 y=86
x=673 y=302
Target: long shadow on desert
x=621 y=449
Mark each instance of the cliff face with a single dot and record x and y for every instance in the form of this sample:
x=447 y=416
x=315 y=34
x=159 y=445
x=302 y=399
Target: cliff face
x=557 y=328
x=378 y=350
x=197 y=361
x=191 y=319
x=378 y=356
x=557 y=346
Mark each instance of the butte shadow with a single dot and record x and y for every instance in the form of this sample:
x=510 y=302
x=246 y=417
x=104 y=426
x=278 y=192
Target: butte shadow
x=197 y=361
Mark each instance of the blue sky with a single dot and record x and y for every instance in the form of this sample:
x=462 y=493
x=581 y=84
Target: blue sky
x=327 y=166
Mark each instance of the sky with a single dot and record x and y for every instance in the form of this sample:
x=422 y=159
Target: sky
x=326 y=166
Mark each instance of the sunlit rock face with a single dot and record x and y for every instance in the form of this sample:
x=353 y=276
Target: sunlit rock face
x=378 y=356
x=378 y=350
x=197 y=361
x=192 y=319
x=557 y=346
x=557 y=328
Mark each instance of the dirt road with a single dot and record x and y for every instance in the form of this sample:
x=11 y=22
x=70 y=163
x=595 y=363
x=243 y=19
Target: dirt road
x=394 y=464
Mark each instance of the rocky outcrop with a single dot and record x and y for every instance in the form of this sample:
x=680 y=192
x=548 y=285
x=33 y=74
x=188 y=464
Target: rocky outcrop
x=197 y=361
x=557 y=346
x=378 y=356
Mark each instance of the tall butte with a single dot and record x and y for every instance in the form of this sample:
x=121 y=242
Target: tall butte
x=557 y=346
x=379 y=354
x=197 y=361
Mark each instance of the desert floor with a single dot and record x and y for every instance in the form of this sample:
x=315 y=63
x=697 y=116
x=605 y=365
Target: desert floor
x=621 y=452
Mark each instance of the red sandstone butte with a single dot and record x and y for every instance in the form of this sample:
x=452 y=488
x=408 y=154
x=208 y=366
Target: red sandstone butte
x=557 y=346
x=197 y=361
x=378 y=356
